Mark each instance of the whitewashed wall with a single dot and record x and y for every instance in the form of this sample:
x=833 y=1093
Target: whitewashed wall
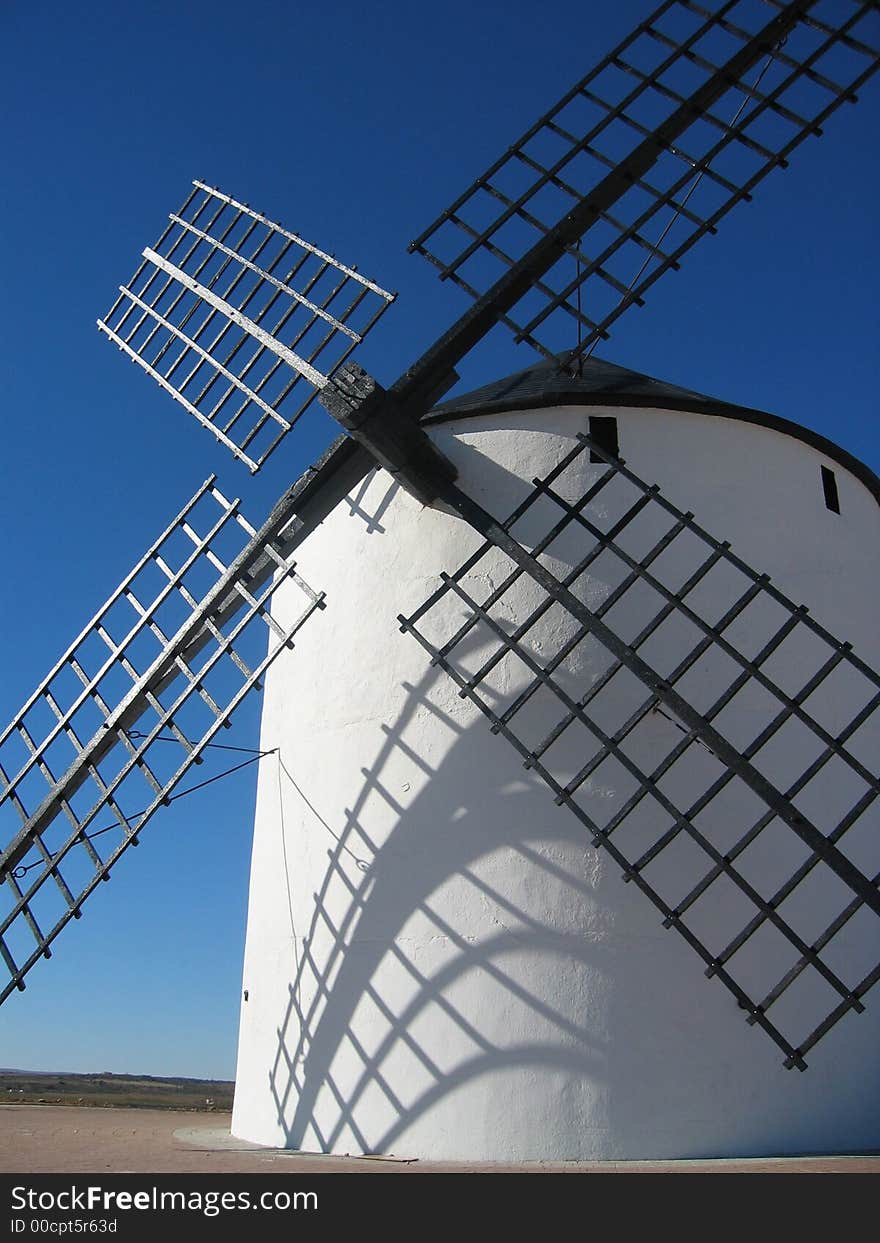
x=437 y=962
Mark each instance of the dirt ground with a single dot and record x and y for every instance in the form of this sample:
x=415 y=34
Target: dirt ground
x=48 y=1139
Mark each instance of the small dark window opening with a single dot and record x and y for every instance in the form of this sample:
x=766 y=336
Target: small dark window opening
x=829 y=487
x=603 y=431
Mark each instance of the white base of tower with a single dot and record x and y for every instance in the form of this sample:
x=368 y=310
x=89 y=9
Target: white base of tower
x=438 y=963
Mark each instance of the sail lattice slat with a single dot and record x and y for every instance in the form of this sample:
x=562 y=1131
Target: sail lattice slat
x=241 y=321
x=108 y=735
x=675 y=184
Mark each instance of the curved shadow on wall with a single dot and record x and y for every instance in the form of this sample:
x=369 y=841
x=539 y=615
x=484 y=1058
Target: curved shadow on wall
x=382 y=893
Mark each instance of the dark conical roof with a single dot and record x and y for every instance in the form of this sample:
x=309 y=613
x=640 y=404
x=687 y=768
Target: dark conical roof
x=600 y=383
x=548 y=384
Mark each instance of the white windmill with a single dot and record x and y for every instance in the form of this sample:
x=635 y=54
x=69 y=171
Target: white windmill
x=437 y=960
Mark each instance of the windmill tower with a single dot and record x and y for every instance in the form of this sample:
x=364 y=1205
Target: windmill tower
x=438 y=960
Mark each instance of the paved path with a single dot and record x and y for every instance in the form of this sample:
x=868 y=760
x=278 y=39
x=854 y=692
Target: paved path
x=69 y=1140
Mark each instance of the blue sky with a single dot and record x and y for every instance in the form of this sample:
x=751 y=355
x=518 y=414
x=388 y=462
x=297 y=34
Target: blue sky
x=354 y=125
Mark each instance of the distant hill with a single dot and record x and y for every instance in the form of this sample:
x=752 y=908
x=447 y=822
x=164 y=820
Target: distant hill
x=104 y=1088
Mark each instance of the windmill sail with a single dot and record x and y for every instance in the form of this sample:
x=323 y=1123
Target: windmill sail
x=649 y=151
x=240 y=321
x=688 y=630
x=166 y=660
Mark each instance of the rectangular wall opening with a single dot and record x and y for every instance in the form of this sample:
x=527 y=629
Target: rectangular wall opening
x=829 y=488
x=603 y=430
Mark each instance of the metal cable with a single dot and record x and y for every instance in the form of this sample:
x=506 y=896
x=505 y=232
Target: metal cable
x=23 y=869
x=680 y=208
